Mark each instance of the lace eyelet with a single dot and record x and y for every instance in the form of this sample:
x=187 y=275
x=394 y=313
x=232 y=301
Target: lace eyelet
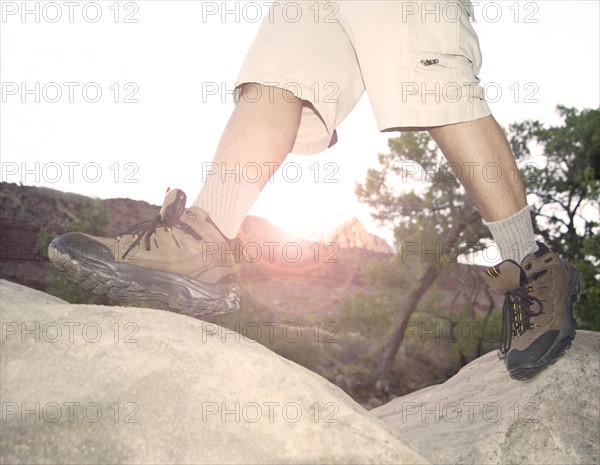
x=528 y=266
x=190 y=213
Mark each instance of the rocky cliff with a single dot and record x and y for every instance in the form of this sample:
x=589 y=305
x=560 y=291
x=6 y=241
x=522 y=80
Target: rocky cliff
x=354 y=234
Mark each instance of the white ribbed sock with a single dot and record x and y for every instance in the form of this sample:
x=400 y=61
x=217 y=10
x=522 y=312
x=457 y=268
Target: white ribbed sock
x=227 y=203
x=514 y=235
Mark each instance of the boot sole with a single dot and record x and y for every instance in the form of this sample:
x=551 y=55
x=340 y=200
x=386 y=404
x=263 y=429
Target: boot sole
x=128 y=283
x=565 y=336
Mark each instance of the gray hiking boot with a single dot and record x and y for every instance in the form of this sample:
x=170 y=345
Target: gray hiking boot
x=537 y=320
x=179 y=258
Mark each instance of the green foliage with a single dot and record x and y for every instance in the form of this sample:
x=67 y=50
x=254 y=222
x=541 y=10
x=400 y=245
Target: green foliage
x=415 y=191
x=462 y=334
x=298 y=346
x=369 y=314
x=565 y=186
x=587 y=309
x=92 y=221
x=384 y=274
x=307 y=344
x=475 y=335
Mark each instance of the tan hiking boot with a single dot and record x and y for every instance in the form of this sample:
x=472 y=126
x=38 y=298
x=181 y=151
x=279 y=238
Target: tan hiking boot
x=179 y=258
x=537 y=320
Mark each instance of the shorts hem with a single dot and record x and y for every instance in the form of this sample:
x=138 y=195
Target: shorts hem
x=412 y=119
x=310 y=148
x=321 y=122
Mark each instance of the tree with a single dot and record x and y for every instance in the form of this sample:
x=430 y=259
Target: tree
x=562 y=175
x=434 y=222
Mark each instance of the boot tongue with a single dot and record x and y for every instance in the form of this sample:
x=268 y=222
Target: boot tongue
x=505 y=277
x=173 y=207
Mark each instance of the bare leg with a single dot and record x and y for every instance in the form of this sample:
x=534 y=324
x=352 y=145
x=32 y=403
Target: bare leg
x=257 y=139
x=487 y=166
x=261 y=130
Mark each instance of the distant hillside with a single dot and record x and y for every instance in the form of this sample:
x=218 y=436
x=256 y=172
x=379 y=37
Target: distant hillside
x=25 y=210
x=354 y=234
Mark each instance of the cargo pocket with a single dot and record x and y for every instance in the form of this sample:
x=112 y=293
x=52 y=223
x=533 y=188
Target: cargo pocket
x=444 y=78
x=435 y=25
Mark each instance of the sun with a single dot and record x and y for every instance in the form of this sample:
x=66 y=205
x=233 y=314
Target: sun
x=303 y=211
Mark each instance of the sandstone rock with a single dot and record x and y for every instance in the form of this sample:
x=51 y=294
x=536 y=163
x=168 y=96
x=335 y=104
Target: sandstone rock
x=354 y=234
x=91 y=384
x=482 y=416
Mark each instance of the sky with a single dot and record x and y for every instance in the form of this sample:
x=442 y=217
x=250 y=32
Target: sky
x=124 y=99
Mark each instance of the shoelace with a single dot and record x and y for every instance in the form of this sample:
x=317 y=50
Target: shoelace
x=144 y=229
x=517 y=312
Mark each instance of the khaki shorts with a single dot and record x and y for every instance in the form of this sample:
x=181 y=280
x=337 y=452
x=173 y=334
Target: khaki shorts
x=417 y=60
